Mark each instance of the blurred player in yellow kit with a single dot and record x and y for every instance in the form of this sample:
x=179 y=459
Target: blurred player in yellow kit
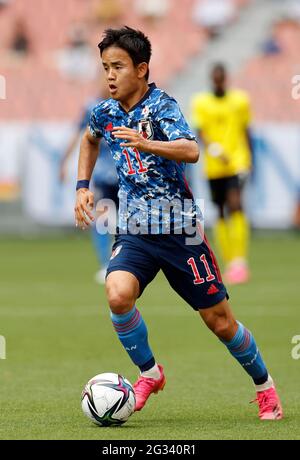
x=222 y=119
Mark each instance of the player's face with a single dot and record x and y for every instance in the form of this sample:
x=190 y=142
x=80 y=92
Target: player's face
x=219 y=80
x=123 y=77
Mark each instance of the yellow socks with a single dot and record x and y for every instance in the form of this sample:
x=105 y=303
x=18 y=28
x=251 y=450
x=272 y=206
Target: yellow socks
x=238 y=232
x=222 y=239
x=232 y=237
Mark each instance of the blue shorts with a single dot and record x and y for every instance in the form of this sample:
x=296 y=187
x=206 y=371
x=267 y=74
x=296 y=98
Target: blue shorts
x=106 y=191
x=191 y=270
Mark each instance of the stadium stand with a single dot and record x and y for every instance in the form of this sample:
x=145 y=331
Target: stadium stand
x=268 y=78
x=35 y=87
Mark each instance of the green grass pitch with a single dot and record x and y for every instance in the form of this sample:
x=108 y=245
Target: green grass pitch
x=58 y=335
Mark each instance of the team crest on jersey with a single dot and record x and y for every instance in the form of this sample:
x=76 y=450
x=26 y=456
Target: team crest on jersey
x=116 y=252
x=145 y=128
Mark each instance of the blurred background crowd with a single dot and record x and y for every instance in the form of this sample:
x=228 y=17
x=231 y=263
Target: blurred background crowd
x=50 y=69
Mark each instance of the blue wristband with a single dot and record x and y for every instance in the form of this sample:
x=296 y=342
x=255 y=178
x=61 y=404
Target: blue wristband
x=82 y=184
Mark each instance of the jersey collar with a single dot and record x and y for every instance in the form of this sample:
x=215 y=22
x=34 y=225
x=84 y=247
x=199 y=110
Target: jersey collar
x=152 y=86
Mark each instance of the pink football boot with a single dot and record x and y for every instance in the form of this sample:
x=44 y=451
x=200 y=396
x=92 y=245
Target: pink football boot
x=145 y=386
x=237 y=273
x=269 y=405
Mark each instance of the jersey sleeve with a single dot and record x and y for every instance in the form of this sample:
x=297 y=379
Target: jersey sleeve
x=172 y=122
x=94 y=123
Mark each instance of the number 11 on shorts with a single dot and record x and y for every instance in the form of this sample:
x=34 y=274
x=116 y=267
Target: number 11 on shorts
x=197 y=277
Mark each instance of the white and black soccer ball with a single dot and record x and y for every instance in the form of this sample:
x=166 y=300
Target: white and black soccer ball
x=108 y=399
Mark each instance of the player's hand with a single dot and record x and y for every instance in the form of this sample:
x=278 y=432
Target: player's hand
x=83 y=208
x=216 y=150
x=132 y=136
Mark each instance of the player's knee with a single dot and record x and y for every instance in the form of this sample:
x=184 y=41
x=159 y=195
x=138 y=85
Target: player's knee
x=234 y=202
x=222 y=326
x=122 y=291
x=120 y=300
x=120 y=303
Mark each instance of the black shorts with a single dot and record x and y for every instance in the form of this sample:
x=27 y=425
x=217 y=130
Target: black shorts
x=220 y=187
x=192 y=270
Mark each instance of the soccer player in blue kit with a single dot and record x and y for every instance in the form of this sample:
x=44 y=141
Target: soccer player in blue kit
x=150 y=142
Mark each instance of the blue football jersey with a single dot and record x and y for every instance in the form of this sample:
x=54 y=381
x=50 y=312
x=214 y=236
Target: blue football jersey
x=144 y=178
x=105 y=171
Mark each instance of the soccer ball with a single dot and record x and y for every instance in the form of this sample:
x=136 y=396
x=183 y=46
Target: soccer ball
x=108 y=399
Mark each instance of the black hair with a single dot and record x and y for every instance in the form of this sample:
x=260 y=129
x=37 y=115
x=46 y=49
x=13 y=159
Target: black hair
x=133 y=41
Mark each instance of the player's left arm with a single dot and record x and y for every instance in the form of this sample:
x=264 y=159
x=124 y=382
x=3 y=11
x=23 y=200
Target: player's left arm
x=179 y=150
x=180 y=142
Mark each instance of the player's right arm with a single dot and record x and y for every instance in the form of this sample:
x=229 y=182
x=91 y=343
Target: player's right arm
x=89 y=150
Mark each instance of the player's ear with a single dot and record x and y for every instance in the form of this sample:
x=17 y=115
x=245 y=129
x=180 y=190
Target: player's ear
x=142 y=69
